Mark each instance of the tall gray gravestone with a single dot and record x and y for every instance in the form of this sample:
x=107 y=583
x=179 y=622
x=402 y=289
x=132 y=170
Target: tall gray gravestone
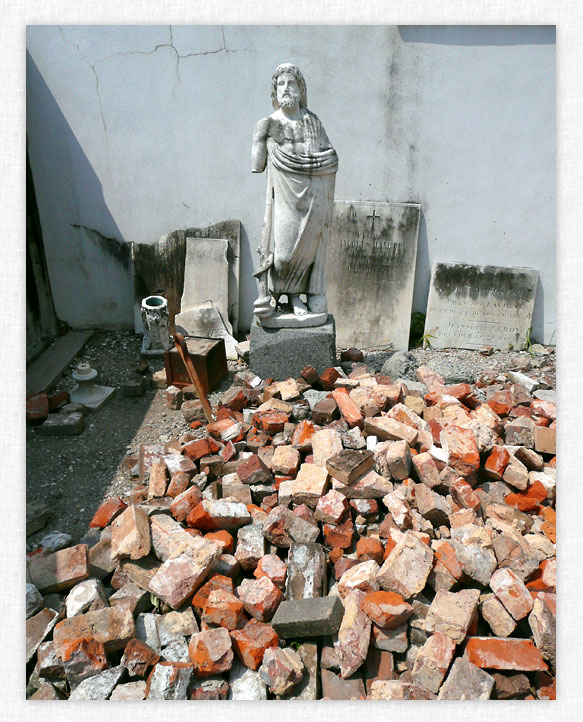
x=371 y=271
x=473 y=306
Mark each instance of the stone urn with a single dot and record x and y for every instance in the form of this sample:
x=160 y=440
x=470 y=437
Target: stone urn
x=155 y=319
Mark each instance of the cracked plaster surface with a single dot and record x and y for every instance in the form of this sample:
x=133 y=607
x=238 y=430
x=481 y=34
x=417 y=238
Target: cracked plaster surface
x=169 y=44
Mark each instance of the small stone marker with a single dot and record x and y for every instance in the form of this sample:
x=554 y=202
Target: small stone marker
x=472 y=306
x=371 y=270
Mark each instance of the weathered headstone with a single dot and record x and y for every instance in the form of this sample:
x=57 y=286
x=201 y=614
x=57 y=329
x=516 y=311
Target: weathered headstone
x=159 y=268
x=206 y=275
x=371 y=271
x=472 y=306
x=204 y=320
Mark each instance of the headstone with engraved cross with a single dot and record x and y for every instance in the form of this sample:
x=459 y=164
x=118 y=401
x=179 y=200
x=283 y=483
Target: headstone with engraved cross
x=371 y=270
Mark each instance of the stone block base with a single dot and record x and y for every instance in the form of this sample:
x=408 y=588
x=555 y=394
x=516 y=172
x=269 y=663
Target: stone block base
x=284 y=352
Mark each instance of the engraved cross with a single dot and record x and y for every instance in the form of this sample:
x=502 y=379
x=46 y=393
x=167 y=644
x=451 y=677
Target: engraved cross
x=373 y=217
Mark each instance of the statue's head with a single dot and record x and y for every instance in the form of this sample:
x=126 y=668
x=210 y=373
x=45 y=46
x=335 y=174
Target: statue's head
x=288 y=69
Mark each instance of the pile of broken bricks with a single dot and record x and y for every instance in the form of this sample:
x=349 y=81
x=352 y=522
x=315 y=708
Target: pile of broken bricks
x=331 y=537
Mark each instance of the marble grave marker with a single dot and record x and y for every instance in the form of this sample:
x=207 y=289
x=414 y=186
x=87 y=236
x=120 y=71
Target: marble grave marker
x=472 y=306
x=371 y=271
x=206 y=275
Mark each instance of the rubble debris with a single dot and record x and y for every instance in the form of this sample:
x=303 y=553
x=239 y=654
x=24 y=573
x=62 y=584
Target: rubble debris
x=335 y=536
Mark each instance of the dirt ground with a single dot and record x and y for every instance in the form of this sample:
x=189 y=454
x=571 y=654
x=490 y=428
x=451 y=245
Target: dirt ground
x=72 y=475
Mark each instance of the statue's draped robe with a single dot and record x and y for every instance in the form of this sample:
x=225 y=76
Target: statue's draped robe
x=303 y=200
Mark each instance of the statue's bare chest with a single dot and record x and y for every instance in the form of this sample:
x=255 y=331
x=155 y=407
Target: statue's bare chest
x=292 y=136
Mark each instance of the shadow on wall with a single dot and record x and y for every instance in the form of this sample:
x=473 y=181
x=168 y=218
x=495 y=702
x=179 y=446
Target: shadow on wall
x=422 y=268
x=479 y=34
x=88 y=261
x=538 y=317
x=246 y=300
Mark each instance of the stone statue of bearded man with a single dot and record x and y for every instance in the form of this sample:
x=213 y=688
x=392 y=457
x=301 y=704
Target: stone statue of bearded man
x=301 y=171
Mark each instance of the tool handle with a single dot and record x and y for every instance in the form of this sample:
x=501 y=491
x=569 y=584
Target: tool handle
x=182 y=349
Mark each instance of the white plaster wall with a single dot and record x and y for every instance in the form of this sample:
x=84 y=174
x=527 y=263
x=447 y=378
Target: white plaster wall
x=135 y=131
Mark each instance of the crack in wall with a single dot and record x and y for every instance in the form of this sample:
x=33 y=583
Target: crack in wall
x=75 y=45
x=170 y=44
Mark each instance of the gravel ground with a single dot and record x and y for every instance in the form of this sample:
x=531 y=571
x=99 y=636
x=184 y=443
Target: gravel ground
x=72 y=475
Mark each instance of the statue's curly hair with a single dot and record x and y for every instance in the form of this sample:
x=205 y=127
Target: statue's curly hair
x=296 y=72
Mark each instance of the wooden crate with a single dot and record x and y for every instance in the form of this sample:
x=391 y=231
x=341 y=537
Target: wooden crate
x=208 y=358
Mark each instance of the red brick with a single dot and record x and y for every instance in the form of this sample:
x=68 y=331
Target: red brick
x=496 y=653
x=158 y=479
x=83 y=658
x=254 y=471
x=113 y=626
x=37 y=408
x=256 y=439
x=340 y=535
x=302 y=436
x=59 y=571
x=501 y=402
x=496 y=463
x=445 y=554
x=370 y=548
x=251 y=642
x=223 y=609
x=272 y=422
x=234 y=398
x=211 y=652
x=348 y=408
x=223 y=538
x=107 y=512
x=387 y=610
x=130 y=535
x=195 y=450
x=138 y=657
x=512 y=592
x=523 y=503
x=218 y=581
x=185 y=502
x=464 y=496
x=463 y=455
x=328 y=377
x=273 y=567
x=261 y=597
x=57 y=401
x=178 y=483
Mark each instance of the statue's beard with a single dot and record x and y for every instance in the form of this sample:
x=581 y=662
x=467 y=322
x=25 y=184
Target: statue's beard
x=287 y=102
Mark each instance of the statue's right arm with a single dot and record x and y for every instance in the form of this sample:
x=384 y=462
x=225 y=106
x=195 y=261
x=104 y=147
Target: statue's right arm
x=259 y=151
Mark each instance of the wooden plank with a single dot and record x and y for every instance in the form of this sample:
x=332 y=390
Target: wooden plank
x=44 y=373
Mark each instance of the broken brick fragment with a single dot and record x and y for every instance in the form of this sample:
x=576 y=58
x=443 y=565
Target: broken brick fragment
x=370 y=548
x=261 y=597
x=511 y=654
x=459 y=443
x=211 y=652
x=252 y=640
x=107 y=512
x=223 y=609
x=348 y=408
x=37 y=408
x=185 y=502
x=271 y=422
x=138 y=657
x=339 y=535
x=328 y=377
x=217 y=581
x=387 y=610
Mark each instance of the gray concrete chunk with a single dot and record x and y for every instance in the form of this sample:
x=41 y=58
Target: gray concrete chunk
x=308 y=617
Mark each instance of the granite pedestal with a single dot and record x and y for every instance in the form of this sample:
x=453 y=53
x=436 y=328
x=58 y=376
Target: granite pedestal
x=284 y=352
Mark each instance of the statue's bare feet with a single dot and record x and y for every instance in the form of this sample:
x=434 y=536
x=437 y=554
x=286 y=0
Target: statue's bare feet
x=300 y=308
